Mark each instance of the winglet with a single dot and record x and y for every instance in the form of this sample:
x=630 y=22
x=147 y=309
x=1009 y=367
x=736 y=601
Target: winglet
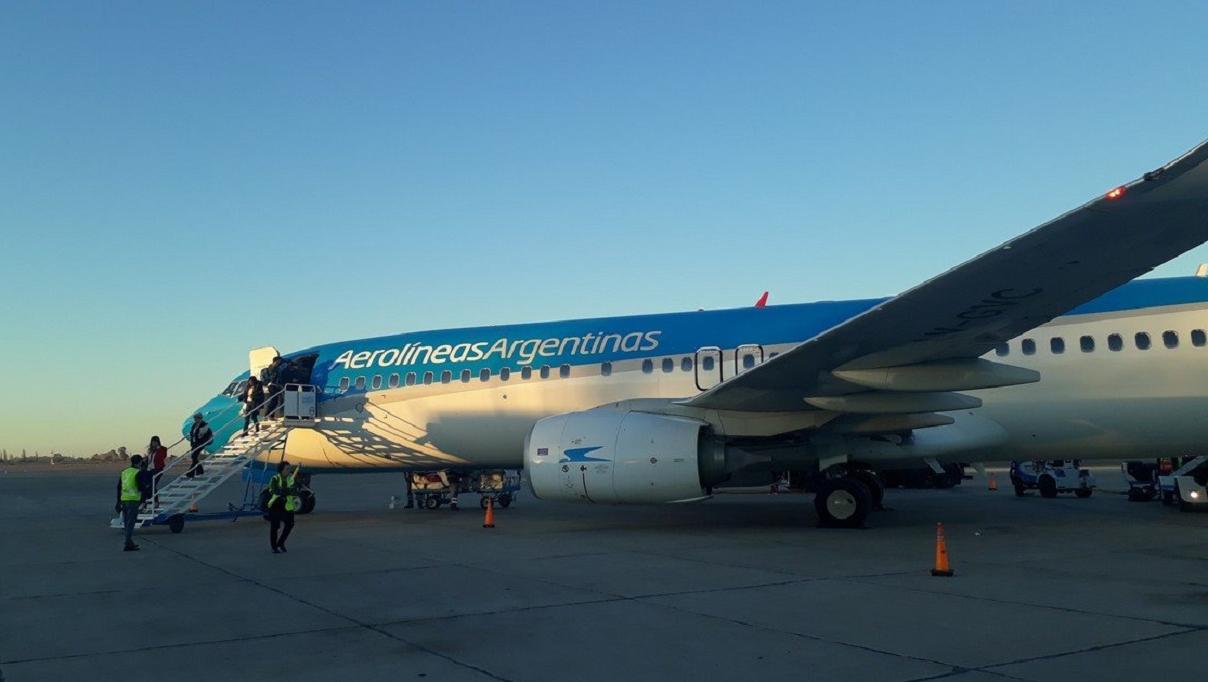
x=763 y=300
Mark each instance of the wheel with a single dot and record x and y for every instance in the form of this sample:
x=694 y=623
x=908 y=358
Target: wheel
x=842 y=503
x=431 y=502
x=308 y=502
x=1085 y=492
x=176 y=523
x=1048 y=486
x=504 y=501
x=873 y=483
x=1020 y=488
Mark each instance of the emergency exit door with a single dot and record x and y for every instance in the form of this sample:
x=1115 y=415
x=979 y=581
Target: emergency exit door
x=708 y=367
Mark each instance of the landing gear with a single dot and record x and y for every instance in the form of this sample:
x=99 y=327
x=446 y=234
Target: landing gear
x=873 y=483
x=842 y=502
x=502 y=500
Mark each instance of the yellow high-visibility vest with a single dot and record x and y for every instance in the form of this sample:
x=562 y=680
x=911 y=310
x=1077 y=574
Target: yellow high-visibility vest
x=130 y=491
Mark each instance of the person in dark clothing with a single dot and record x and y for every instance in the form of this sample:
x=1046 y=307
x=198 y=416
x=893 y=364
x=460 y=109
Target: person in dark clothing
x=253 y=398
x=272 y=378
x=200 y=436
x=133 y=486
x=283 y=501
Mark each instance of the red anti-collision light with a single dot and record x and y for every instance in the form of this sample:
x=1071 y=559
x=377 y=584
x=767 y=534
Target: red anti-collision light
x=1116 y=193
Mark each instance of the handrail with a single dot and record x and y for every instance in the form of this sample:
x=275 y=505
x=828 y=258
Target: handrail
x=155 y=481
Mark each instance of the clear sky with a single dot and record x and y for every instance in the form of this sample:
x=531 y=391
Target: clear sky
x=181 y=182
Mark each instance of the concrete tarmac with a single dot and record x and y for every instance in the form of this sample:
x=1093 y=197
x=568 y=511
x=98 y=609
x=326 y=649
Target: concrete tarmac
x=740 y=587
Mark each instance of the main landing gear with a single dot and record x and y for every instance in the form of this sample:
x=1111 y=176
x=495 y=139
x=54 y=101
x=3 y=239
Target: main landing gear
x=845 y=501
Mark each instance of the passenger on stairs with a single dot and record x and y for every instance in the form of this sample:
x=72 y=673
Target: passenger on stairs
x=253 y=398
x=283 y=501
x=273 y=380
x=133 y=486
x=200 y=436
x=158 y=455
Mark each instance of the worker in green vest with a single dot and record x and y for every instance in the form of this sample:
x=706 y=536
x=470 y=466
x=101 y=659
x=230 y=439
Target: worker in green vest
x=283 y=501
x=133 y=486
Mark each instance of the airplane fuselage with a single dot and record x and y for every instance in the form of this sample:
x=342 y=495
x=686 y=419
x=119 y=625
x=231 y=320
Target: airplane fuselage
x=466 y=398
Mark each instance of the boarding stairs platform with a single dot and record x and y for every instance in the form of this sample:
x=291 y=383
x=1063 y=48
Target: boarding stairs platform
x=179 y=495
x=181 y=492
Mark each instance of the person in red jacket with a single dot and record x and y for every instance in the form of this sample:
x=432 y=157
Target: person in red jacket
x=157 y=454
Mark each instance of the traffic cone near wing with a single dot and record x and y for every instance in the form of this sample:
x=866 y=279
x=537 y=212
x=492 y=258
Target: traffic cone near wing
x=993 y=482
x=941 y=554
x=489 y=520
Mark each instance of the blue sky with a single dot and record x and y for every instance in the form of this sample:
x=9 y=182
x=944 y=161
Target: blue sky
x=184 y=181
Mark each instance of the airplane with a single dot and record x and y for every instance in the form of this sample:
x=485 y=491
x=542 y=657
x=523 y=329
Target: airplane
x=1046 y=346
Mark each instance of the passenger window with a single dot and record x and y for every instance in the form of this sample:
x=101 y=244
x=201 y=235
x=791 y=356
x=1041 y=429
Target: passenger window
x=1197 y=338
x=526 y=372
x=1114 y=342
x=647 y=366
x=606 y=368
x=446 y=376
x=427 y=378
x=377 y=381
x=668 y=365
x=1142 y=341
x=360 y=382
x=1087 y=344
x=1057 y=345
x=706 y=363
x=465 y=376
x=505 y=374
x=1028 y=346
x=393 y=381
x=484 y=375
x=564 y=371
x=686 y=364
x=748 y=361
x=410 y=378
x=239 y=389
x=1002 y=349
x=344 y=384
x=544 y=371
x=1170 y=339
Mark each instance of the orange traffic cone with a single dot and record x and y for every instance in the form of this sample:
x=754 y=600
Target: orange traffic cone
x=193 y=506
x=993 y=482
x=489 y=520
x=941 y=554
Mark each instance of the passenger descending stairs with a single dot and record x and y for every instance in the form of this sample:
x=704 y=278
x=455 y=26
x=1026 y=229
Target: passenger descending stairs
x=178 y=495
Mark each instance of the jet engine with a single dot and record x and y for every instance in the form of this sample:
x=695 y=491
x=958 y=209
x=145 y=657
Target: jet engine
x=611 y=456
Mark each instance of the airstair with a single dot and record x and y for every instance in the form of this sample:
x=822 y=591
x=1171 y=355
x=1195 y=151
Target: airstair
x=178 y=489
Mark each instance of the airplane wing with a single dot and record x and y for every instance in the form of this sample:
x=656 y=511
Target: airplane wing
x=927 y=332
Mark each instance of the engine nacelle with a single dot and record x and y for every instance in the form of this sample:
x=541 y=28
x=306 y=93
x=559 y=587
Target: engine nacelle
x=613 y=456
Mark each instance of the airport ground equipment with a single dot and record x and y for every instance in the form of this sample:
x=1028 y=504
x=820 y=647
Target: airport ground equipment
x=175 y=495
x=432 y=489
x=1186 y=486
x=1051 y=477
x=1142 y=480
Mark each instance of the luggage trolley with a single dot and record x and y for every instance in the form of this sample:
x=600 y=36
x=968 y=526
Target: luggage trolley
x=501 y=484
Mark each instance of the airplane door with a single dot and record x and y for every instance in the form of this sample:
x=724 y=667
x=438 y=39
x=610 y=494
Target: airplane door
x=708 y=367
x=747 y=357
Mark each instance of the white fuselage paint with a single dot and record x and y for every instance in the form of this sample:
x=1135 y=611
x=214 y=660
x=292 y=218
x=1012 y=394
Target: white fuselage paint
x=1102 y=404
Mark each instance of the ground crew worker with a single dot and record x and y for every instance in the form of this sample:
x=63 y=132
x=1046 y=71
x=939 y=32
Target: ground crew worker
x=133 y=486
x=283 y=501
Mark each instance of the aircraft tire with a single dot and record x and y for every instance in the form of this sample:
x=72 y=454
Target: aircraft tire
x=1084 y=492
x=842 y=503
x=873 y=483
x=1048 y=486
